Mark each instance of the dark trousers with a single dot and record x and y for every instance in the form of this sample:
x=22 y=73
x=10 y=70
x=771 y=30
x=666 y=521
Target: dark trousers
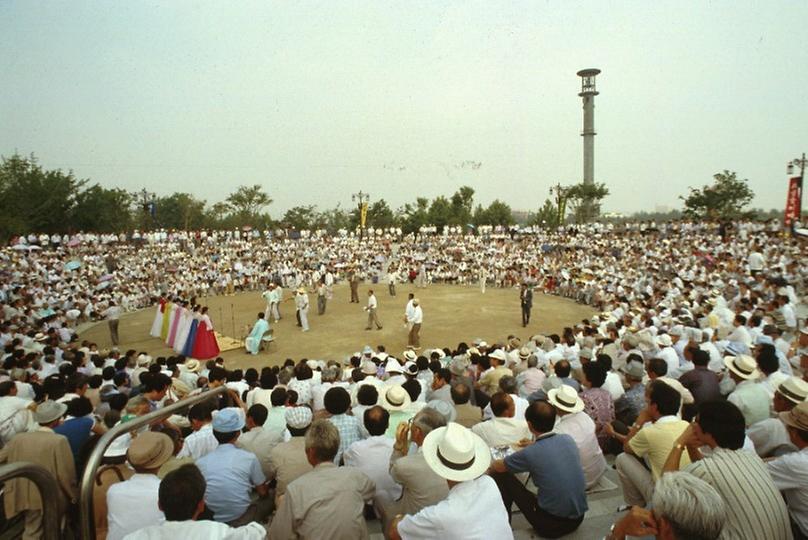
x=320 y=305
x=354 y=292
x=297 y=314
x=113 y=331
x=392 y=288
x=414 y=337
x=544 y=523
x=526 y=315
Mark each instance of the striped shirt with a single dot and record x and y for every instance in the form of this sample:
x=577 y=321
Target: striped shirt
x=755 y=509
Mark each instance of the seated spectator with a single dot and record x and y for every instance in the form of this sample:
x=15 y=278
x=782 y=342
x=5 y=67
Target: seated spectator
x=507 y=384
x=701 y=381
x=328 y=502
x=131 y=504
x=790 y=471
x=181 y=498
x=337 y=402
x=531 y=379
x=202 y=441
x=657 y=368
x=504 y=429
x=749 y=396
x=441 y=386
x=555 y=469
x=562 y=370
x=573 y=421
x=232 y=475
x=258 y=440
x=79 y=426
x=288 y=459
x=398 y=403
x=421 y=487
x=684 y=507
x=649 y=440
x=367 y=396
x=598 y=403
x=612 y=383
x=755 y=508
x=770 y=436
x=372 y=455
x=473 y=509
x=769 y=366
x=627 y=408
x=468 y=415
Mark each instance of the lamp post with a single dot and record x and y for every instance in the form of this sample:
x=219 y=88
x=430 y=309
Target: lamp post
x=800 y=163
x=362 y=199
x=147 y=201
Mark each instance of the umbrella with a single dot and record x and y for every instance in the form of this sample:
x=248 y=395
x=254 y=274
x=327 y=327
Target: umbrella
x=20 y=247
x=72 y=265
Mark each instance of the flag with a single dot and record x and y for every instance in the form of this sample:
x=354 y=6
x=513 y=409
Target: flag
x=793 y=201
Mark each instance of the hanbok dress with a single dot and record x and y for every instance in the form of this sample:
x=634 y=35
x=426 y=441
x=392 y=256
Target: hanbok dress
x=205 y=344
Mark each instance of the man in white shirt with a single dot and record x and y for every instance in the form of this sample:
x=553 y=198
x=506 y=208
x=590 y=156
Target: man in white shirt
x=371 y=308
x=133 y=503
x=112 y=314
x=182 y=499
x=372 y=455
x=201 y=442
x=504 y=429
x=415 y=319
x=790 y=472
x=258 y=440
x=15 y=412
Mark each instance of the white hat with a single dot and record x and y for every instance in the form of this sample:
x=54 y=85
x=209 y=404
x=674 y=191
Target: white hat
x=744 y=366
x=455 y=453
x=566 y=399
x=409 y=354
x=393 y=366
x=664 y=340
x=499 y=354
x=369 y=368
x=794 y=389
x=395 y=398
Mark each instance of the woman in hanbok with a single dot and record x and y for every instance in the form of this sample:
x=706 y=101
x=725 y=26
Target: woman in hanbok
x=175 y=323
x=166 y=324
x=157 y=325
x=188 y=347
x=205 y=345
x=182 y=331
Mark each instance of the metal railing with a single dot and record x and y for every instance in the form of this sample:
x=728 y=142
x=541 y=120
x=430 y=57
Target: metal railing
x=87 y=523
x=48 y=492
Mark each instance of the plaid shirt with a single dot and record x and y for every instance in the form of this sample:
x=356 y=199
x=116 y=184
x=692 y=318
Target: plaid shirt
x=350 y=431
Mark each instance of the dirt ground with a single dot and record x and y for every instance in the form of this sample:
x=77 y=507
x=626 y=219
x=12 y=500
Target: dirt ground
x=451 y=314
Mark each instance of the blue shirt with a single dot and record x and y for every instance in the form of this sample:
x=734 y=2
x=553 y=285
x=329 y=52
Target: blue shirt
x=555 y=468
x=231 y=473
x=350 y=431
x=77 y=432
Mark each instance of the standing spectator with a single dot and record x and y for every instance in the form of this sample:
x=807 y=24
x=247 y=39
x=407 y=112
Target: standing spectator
x=372 y=308
x=113 y=314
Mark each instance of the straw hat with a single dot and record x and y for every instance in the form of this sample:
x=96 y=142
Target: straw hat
x=456 y=453
x=794 y=389
x=744 y=366
x=150 y=450
x=566 y=399
x=395 y=398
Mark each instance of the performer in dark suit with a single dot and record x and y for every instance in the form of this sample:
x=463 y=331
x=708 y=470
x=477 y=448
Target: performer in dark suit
x=526 y=299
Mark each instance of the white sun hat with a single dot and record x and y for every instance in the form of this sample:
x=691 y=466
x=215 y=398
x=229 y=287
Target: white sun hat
x=455 y=453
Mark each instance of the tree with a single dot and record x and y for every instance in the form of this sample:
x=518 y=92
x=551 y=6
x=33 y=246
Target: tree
x=102 y=210
x=33 y=199
x=547 y=216
x=498 y=213
x=181 y=211
x=585 y=199
x=246 y=204
x=725 y=198
x=440 y=212
x=462 y=204
x=304 y=217
x=414 y=216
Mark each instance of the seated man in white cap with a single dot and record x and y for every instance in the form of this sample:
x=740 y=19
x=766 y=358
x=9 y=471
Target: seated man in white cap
x=181 y=498
x=749 y=395
x=287 y=460
x=132 y=504
x=233 y=474
x=555 y=468
x=573 y=421
x=790 y=471
x=489 y=382
x=473 y=509
x=770 y=436
x=328 y=502
x=46 y=449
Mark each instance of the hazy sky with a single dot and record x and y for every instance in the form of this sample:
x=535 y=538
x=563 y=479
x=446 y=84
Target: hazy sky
x=317 y=100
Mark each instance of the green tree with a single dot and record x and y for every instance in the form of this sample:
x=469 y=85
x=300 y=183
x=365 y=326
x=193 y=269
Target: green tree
x=498 y=213
x=725 y=198
x=462 y=204
x=102 y=210
x=584 y=200
x=414 y=216
x=33 y=199
x=547 y=216
x=304 y=217
x=336 y=219
x=246 y=205
x=440 y=212
x=181 y=211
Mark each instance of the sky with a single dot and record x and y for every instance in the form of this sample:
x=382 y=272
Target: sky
x=318 y=100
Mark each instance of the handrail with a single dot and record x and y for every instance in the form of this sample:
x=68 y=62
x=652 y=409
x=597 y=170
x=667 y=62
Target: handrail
x=48 y=492
x=87 y=523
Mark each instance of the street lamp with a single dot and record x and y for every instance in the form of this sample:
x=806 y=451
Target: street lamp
x=147 y=201
x=362 y=199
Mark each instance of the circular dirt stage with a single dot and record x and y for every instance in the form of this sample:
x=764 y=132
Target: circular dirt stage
x=452 y=314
